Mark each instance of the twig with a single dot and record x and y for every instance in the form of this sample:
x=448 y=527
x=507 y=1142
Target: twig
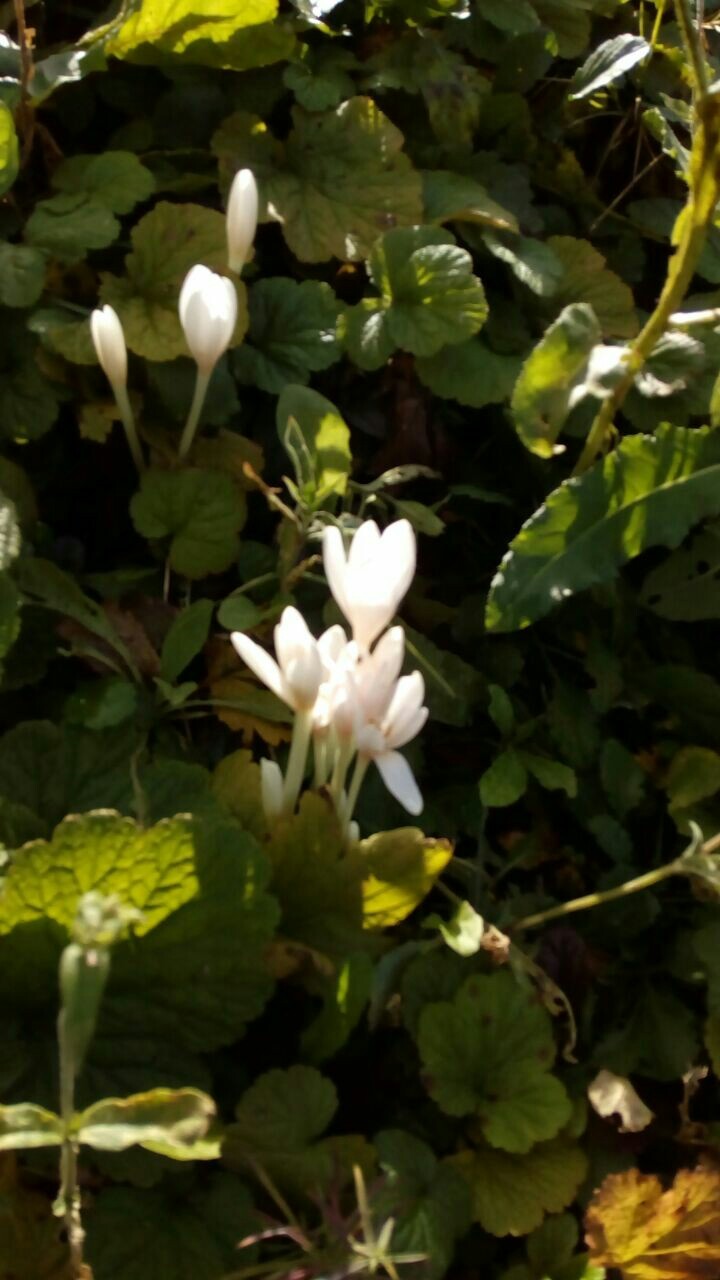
x=25 y=113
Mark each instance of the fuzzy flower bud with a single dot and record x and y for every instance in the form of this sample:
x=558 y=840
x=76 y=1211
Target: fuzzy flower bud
x=241 y=220
x=109 y=342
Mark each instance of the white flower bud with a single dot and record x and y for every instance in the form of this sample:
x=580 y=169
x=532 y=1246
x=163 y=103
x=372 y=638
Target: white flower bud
x=271 y=788
x=241 y=219
x=109 y=341
x=208 y=314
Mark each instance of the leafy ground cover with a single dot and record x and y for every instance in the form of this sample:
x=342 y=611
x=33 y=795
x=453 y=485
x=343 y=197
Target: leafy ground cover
x=240 y=1036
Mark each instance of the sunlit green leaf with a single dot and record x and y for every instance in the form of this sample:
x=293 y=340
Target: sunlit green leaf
x=200 y=512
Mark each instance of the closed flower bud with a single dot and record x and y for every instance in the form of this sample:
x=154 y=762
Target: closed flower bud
x=109 y=341
x=208 y=313
x=241 y=220
x=271 y=788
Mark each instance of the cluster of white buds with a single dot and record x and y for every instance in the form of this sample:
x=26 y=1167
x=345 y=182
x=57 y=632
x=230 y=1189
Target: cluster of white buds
x=348 y=696
x=208 y=309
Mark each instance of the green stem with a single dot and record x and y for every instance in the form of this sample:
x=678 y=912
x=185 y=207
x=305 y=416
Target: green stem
x=658 y=23
x=361 y=768
x=69 y=1196
x=128 y=420
x=297 y=760
x=691 y=230
x=202 y=382
x=693 y=46
x=320 y=757
x=343 y=756
x=599 y=899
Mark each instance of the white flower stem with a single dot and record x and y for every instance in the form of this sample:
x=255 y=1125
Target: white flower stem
x=128 y=420
x=361 y=767
x=320 y=755
x=202 y=382
x=297 y=760
x=343 y=757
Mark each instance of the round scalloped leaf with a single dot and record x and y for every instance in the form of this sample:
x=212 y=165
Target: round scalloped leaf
x=429 y=297
x=22 y=275
x=587 y=279
x=117 y=179
x=71 y=224
x=487 y=1054
x=293 y=333
x=470 y=373
x=184 y=1230
x=649 y=492
x=652 y=1234
x=340 y=178
x=428 y=1199
x=512 y=1193
x=167 y=242
x=223 y=34
x=201 y=512
x=278 y=1126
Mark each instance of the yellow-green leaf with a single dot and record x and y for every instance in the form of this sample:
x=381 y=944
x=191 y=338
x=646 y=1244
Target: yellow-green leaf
x=400 y=869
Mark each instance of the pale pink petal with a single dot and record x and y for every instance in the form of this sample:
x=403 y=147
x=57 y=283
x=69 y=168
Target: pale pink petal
x=400 y=781
x=260 y=663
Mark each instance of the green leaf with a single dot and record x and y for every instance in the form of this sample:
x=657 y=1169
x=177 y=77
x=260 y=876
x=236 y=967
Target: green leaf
x=185 y=639
x=317 y=439
x=201 y=512
x=512 y=1193
x=586 y=279
x=102 y=704
x=9 y=149
x=166 y=243
x=488 y=1054
x=293 y=333
x=453 y=197
x=551 y=774
x=685 y=587
x=29 y=402
x=606 y=64
x=70 y=225
x=660 y=1038
x=505 y=781
x=515 y=19
x=184 y=1229
x=428 y=1200
x=319 y=78
x=471 y=373
x=278 y=1125
x=694 y=775
x=647 y=493
x=552 y=1245
x=337 y=181
x=117 y=179
x=623 y=779
x=22 y=275
x=501 y=710
x=429 y=298
x=399 y=870
x=542 y=397
x=10 y=538
x=531 y=261
x=213 y=32
x=176 y=1118
x=345 y=994
x=453 y=688
x=26 y=1126
x=463 y=932
x=569 y=24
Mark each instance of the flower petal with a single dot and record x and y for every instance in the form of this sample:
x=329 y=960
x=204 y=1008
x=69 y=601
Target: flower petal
x=261 y=664
x=398 y=550
x=400 y=780
x=364 y=546
x=335 y=566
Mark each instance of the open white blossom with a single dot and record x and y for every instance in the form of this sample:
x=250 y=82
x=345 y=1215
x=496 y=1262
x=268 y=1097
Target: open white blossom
x=402 y=721
x=296 y=675
x=369 y=583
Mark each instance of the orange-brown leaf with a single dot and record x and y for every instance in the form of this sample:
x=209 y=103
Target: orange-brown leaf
x=651 y=1234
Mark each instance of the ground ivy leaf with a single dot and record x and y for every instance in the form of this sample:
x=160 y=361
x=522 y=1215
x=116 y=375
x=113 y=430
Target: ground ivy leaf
x=663 y=485
x=166 y=243
x=531 y=261
x=337 y=181
x=29 y=402
x=278 y=1126
x=317 y=439
x=516 y=19
x=488 y=1054
x=542 y=397
x=201 y=512
x=650 y=1233
x=320 y=78
x=186 y=1229
x=504 y=781
x=214 y=32
x=454 y=197
x=399 y=870
x=70 y=225
x=471 y=373
x=293 y=333
x=586 y=279
x=9 y=149
x=429 y=297
x=22 y=275
x=117 y=179
x=428 y=1200
x=512 y=1193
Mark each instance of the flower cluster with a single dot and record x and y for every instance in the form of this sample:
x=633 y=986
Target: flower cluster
x=349 y=699
x=208 y=311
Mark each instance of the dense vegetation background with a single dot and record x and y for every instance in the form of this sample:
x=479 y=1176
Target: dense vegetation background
x=484 y=1065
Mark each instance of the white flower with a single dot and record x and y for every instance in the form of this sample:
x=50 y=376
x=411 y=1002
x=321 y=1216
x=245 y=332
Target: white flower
x=370 y=582
x=271 y=788
x=241 y=220
x=208 y=313
x=298 y=672
x=109 y=341
x=402 y=721
x=378 y=673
